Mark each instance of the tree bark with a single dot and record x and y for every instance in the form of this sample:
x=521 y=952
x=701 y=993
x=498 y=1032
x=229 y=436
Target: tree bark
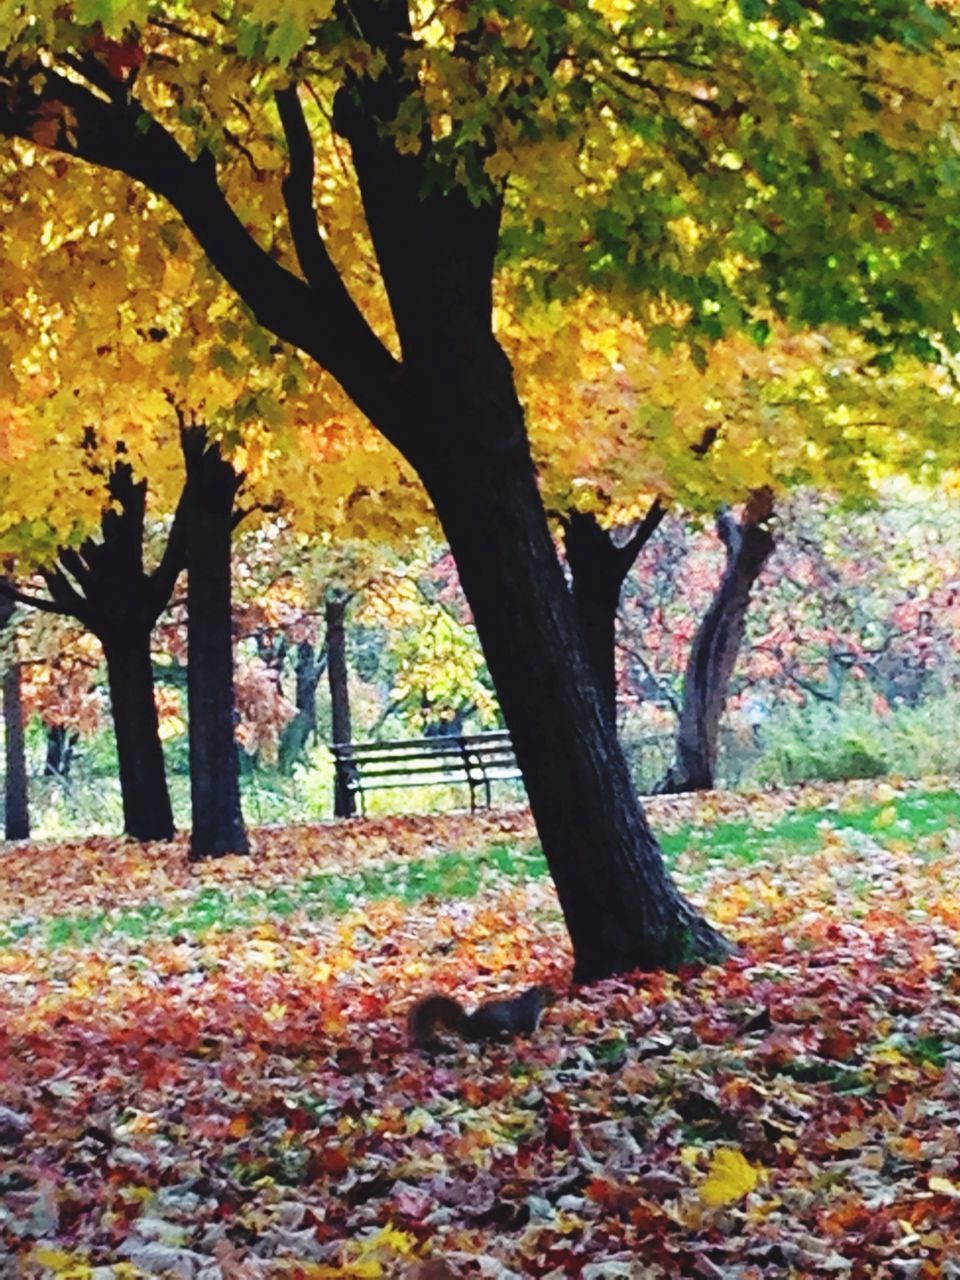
x=598 y=566
x=713 y=654
x=147 y=813
x=344 y=801
x=61 y=743
x=16 y=810
x=621 y=908
x=217 y=817
x=295 y=736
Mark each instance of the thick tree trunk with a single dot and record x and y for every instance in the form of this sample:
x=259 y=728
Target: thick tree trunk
x=716 y=645
x=621 y=908
x=303 y=726
x=61 y=743
x=463 y=431
x=16 y=793
x=598 y=566
x=344 y=802
x=147 y=813
x=217 y=817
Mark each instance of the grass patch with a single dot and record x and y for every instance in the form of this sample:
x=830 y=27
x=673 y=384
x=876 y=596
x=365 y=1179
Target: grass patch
x=445 y=876
x=453 y=875
x=910 y=816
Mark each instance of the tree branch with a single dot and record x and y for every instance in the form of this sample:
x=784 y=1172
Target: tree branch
x=72 y=562
x=660 y=684
x=66 y=597
x=644 y=531
x=163 y=580
x=120 y=135
x=10 y=592
x=729 y=532
x=297 y=188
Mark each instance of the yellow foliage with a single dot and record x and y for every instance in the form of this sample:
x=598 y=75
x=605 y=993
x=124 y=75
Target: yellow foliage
x=730 y=1178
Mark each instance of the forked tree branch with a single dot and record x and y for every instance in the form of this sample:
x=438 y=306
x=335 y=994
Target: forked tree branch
x=297 y=188
x=319 y=318
x=10 y=592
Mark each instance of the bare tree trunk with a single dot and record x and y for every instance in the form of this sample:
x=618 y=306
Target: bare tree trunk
x=344 y=801
x=16 y=792
x=295 y=736
x=713 y=655
x=61 y=744
x=147 y=813
x=598 y=565
x=217 y=817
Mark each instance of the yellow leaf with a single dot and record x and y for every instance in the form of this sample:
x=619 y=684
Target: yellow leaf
x=61 y=1263
x=731 y=1177
x=391 y=1239
x=943 y=1186
x=886 y=817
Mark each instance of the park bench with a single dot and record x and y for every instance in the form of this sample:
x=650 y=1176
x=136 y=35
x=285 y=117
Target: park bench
x=476 y=759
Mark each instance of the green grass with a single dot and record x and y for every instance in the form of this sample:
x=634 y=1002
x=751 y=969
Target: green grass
x=915 y=814
x=444 y=876
x=463 y=875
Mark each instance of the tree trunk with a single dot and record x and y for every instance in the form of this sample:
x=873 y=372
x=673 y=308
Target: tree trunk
x=621 y=908
x=16 y=793
x=217 y=818
x=598 y=566
x=716 y=645
x=61 y=743
x=104 y=586
x=147 y=813
x=344 y=802
x=463 y=431
x=303 y=726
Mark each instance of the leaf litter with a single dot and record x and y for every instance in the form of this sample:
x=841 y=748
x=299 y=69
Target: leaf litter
x=237 y=1098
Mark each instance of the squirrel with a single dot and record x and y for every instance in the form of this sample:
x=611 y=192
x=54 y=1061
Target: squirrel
x=515 y=1015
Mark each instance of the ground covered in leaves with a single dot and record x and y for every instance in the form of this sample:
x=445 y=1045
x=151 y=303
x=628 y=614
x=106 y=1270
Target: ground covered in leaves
x=203 y=1071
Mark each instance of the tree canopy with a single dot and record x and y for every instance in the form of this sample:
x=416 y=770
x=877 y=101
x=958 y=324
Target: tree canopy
x=357 y=171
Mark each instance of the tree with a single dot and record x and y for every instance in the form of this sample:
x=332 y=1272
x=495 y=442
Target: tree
x=302 y=728
x=62 y=686
x=147 y=352
x=748 y=544
x=626 y=433
x=435 y=109
x=105 y=585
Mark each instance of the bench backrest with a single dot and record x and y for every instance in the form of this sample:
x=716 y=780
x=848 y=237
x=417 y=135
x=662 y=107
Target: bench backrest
x=465 y=756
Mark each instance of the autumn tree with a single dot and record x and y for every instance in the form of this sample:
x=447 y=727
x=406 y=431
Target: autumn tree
x=105 y=586
x=625 y=432
x=435 y=108
x=748 y=544
x=175 y=350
